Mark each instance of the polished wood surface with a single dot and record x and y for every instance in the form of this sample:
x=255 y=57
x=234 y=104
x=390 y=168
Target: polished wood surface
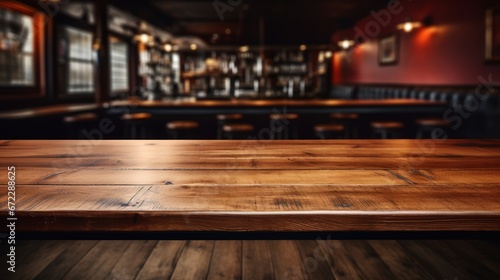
x=278 y=103
x=85 y=117
x=250 y=185
x=339 y=116
x=433 y=122
x=224 y=117
x=137 y=117
x=233 y=127
x=387 y=125
x=182 y=125
x=283 y=116
x=48 y=111
x=328 y=127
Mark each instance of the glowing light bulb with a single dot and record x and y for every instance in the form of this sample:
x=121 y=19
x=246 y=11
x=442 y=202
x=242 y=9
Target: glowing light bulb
x=408 y=27
x=144 y=38
x=168 y=47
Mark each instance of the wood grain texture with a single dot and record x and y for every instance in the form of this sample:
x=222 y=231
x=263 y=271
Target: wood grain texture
x=344 y=185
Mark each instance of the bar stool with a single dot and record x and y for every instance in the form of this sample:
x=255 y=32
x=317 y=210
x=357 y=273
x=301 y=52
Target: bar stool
x=182 y=129
x=223 y=119
x=387 y=129
x=76 y=124
x=349 y=121
x=134 y=123
x=426 y=126
x=329 y=131
x=237 y=130
x=282 y=124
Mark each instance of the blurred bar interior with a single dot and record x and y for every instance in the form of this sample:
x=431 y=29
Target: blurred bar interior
x=236 y=69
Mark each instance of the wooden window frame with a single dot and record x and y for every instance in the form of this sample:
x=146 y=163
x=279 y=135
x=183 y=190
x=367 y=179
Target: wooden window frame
x=39 y=22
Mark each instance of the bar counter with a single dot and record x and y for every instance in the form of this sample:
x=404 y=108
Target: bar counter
x=193 y=106
x=265 y=106
x=250 y=185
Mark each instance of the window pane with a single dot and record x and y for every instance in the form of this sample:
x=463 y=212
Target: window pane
x=80 y=77
x=17 y=67
x=81 y=70
x=119 y=66
x=80 y=44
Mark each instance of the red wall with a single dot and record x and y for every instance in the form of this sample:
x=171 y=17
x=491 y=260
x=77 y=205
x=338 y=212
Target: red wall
x=449 y=52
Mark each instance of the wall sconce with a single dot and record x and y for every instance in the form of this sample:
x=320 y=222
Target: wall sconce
x=345 y=44
x=409 y=25
x=193 y=47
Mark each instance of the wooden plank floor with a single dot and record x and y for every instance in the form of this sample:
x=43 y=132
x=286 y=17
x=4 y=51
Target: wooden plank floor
x=281 y=259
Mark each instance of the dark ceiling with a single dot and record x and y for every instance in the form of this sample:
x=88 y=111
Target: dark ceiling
x=283 y=22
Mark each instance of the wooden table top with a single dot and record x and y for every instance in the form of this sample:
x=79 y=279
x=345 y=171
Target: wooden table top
x=292 y=186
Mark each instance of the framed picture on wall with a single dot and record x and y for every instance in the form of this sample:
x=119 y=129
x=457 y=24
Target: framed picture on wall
x=493 y=34
x=388 y=50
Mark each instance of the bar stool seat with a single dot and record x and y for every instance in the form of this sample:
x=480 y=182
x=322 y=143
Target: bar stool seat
x=329 y=131
x=340 y=116
x=432 y=122
x=136 y=122
x=349 y=121
x=76 y=124
x=181 y=129
x=387 y=129
x=175 y=125
x=284 y=116
x=287 y=124
x=237 y=130
x=223 y=119
x=428 y=125
x=137 y=116
x=85 y=117
x=226 y=117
